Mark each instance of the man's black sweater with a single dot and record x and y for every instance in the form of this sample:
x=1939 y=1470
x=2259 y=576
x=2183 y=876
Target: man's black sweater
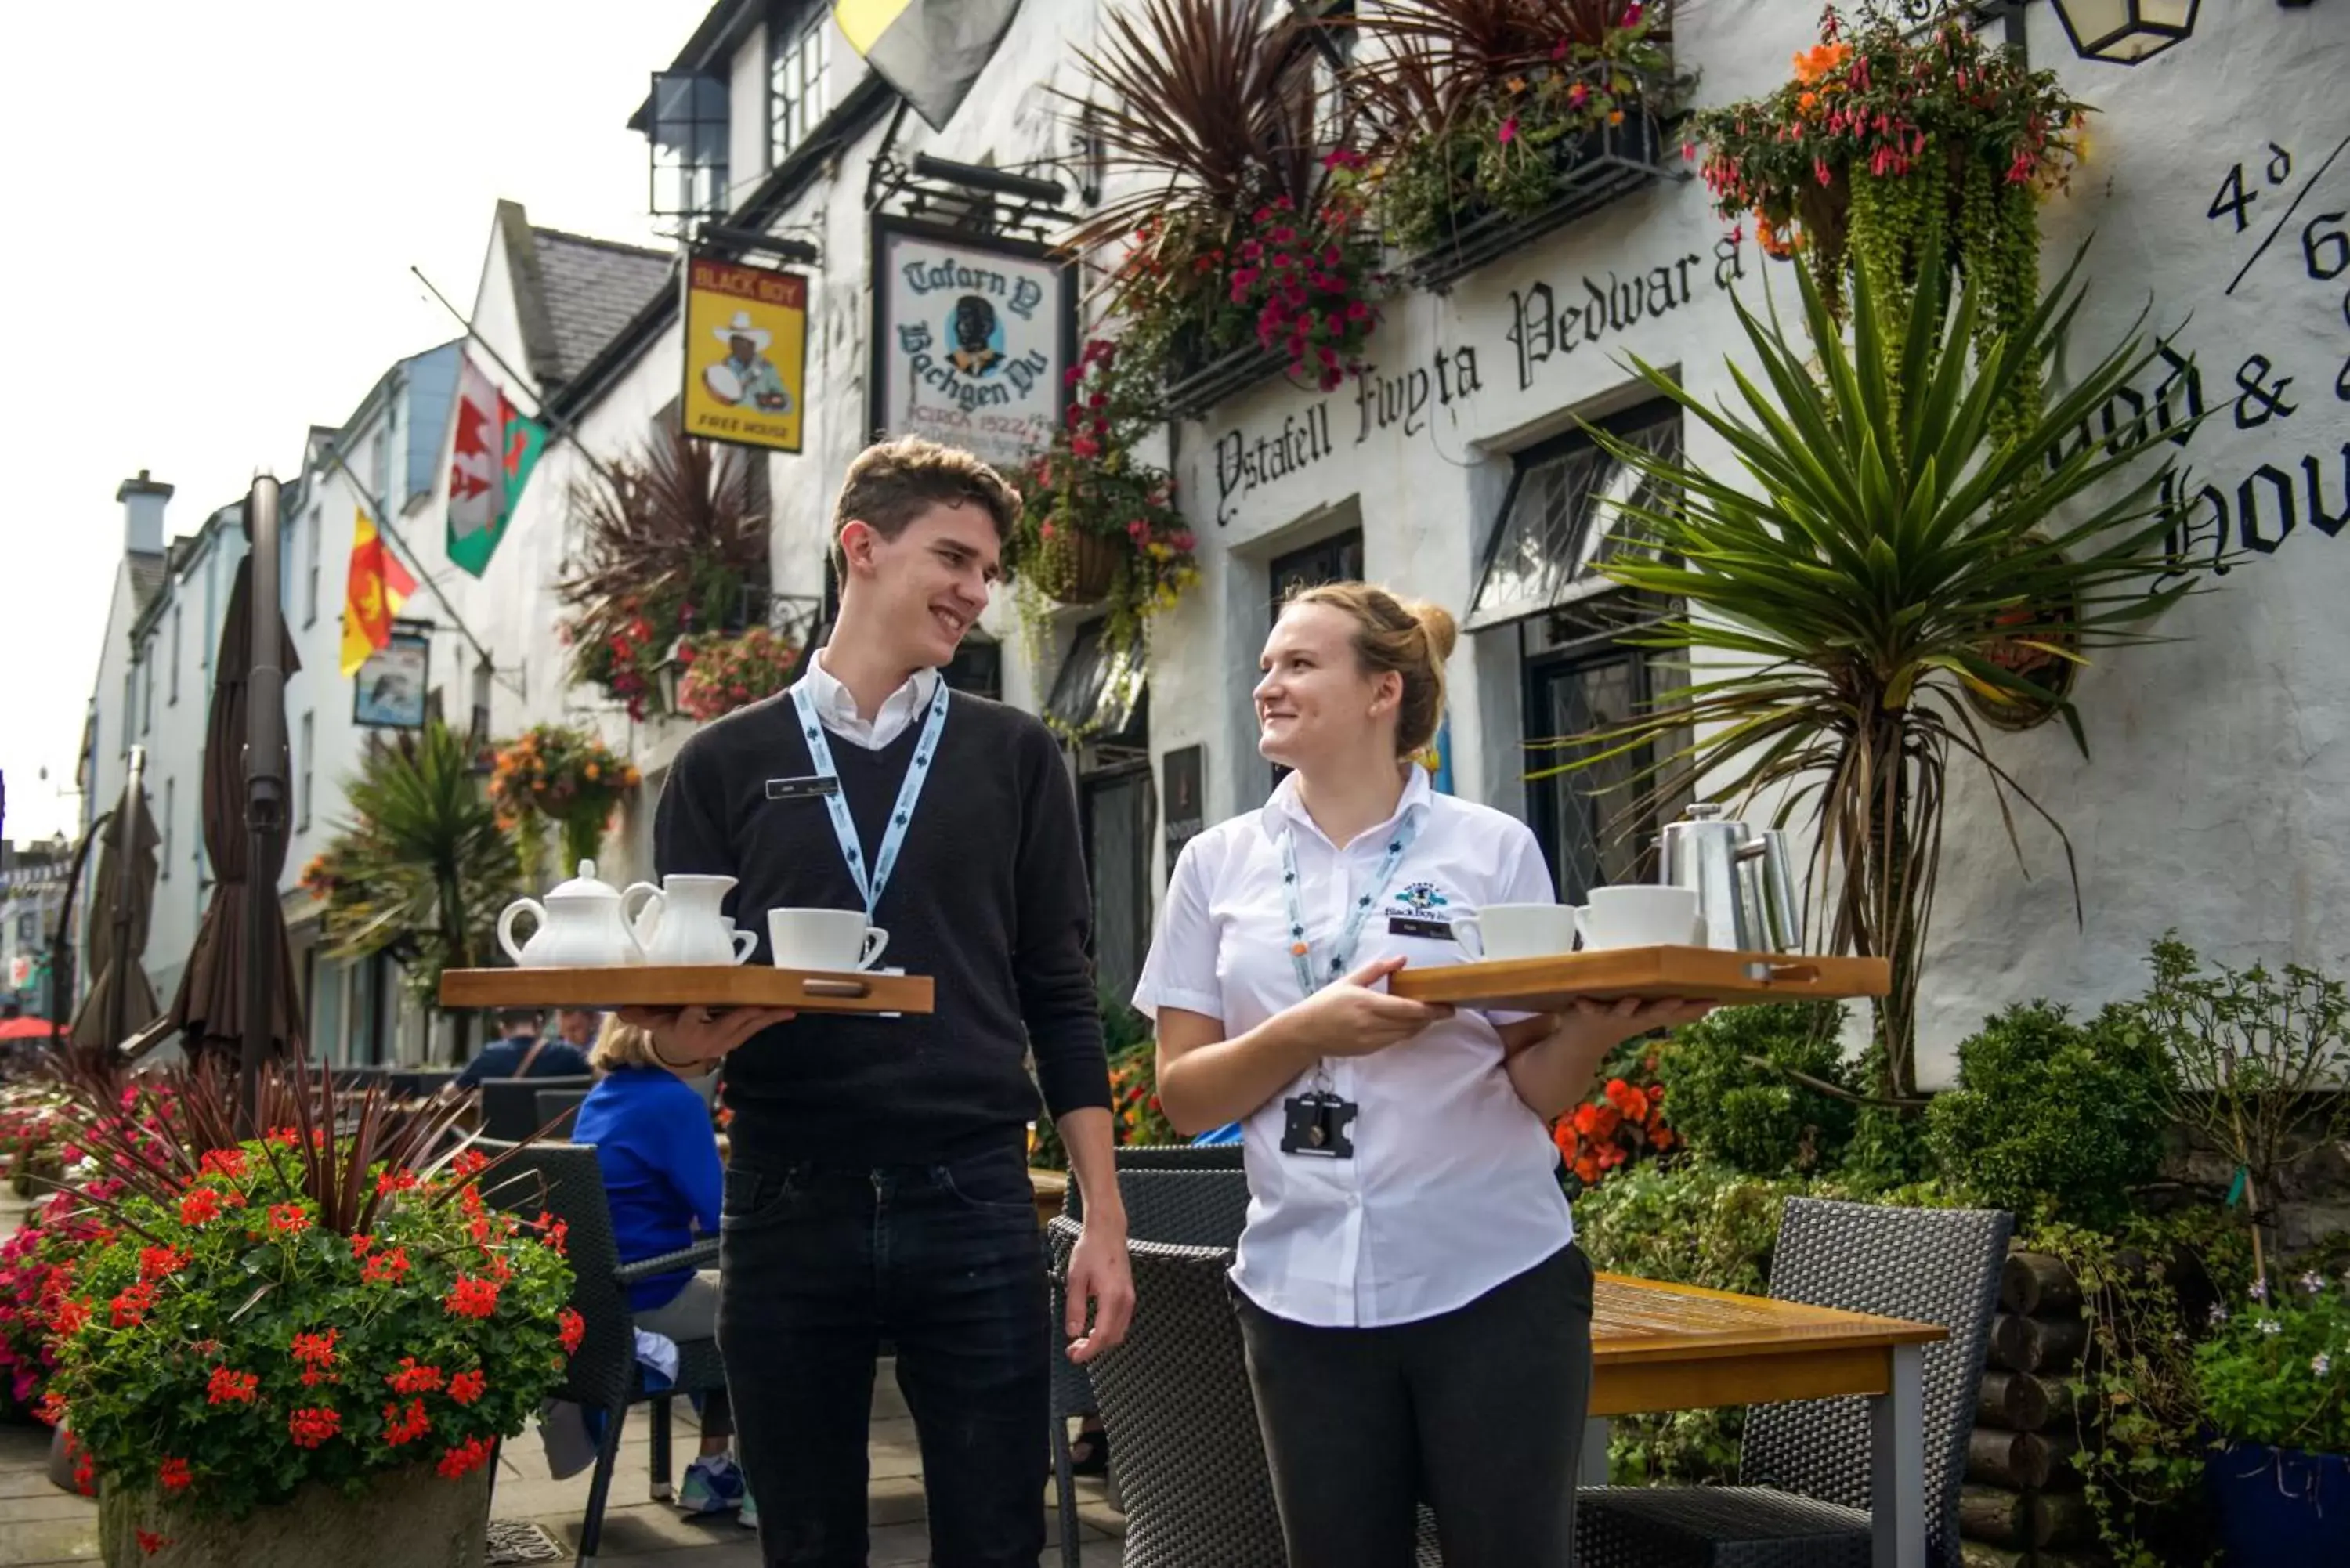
x=988 y=898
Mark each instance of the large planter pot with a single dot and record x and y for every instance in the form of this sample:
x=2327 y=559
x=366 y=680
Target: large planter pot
x=2277 y=1506
x=405 y=1519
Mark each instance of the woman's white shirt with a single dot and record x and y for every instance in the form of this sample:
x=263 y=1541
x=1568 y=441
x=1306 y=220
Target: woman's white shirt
x=1452 y=1187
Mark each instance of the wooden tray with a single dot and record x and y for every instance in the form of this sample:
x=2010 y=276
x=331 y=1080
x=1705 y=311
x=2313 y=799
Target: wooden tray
x=1547 y=984
x=686 y=985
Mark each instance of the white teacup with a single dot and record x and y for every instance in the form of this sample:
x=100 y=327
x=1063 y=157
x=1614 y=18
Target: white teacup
x=1640 y=915
x=823 y=940
x=1518 y=930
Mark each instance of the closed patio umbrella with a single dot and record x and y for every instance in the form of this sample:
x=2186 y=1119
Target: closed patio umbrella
x=210 y=1009
x=120 y=997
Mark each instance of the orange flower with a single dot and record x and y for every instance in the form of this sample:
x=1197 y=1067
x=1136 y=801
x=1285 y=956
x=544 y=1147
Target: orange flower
x=1811 y=65
x=1808 y=103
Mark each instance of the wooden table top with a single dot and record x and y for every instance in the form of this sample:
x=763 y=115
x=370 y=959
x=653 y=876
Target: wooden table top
x=1655 y=1346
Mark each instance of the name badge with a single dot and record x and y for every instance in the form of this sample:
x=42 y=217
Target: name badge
x=1408 y=926
x=807 y=788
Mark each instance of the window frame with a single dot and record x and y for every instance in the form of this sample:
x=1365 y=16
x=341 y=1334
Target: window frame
x=170 y=811
x=316 y=540
x=302 y=788
x=173 y=700
x=799 y=33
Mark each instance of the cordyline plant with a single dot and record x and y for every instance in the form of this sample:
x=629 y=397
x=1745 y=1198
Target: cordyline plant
x=423 y=866
x=1851 y=582
x=669 y=543
x=1246 y=229
x=310 y=1305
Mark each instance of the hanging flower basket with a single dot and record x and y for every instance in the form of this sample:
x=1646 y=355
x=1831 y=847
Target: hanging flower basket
x=1081 y=567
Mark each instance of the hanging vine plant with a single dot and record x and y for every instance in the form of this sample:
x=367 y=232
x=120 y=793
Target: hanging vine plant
x=1879 y=135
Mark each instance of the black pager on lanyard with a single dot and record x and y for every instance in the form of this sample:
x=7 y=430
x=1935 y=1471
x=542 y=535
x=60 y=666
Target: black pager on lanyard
x=1316 y=1124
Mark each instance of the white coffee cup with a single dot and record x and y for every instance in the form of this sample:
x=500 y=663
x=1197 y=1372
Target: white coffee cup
x=823 y=940
x=1517 y=930
x=1640 y=915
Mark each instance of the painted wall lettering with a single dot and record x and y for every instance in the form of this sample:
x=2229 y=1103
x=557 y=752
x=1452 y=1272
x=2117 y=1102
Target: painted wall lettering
x=1385 y=400
x=1241 y=464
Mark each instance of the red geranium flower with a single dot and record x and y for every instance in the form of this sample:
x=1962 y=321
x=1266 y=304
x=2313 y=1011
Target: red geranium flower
x=130 y=1306
x=174 y=1475
x=386 y=1268
x=575 y=1329
x=70 y=1316
x=315 y=1349
x=228 y=1387
x=473 y=1297
x=398 y=1428
x=200 y=1206
x=468 y=1456
x=468 y=1386
x=361 y=1244
x=222 y=1162
x=414 y=1379
x=289 y=1217
x=311 y=1426
x=150 y=1544
x=469 y=1162
x=161 y=1263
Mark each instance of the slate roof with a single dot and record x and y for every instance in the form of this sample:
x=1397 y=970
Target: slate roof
x=147 y=571
x=592 y=288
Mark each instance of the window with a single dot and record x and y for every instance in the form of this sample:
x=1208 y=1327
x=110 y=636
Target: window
x=1118 y=815
x=129 y=703
x=1562 y=519
x=302 y=794
x=170 y=815
x=147 y=706
x=689 y=146
x=28 y=931
x=310 y=571
x=1099 y=693
x=799 y=54
x=175 y=656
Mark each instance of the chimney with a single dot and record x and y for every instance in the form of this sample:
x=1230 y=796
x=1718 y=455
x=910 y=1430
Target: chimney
x=142 y=513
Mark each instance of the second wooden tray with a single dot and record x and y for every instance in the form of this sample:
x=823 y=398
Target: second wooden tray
x=1547 y=984
x=687 y=985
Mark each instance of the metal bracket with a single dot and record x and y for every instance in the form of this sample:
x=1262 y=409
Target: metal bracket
x=968 y=195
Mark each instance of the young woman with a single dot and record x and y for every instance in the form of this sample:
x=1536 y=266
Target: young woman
x=659 y=1157
x=1416 y=1313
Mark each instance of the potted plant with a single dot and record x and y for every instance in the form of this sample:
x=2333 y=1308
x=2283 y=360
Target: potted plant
x=670 y=541
x=1098 y=524
x=1883 y=140
x=1842 y=593
x=551 y=773
x=307 y=1346
x=2272 y=1379
x=1507 y=115
x=1246 y=251
x=723 y=673
x=423 y=866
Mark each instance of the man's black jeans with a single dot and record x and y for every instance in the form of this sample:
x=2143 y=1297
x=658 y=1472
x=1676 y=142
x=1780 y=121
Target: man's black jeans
x=817 y=1266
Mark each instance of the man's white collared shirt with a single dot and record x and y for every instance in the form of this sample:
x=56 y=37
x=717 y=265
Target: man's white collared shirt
x=1452 y=1187
x=836 y=708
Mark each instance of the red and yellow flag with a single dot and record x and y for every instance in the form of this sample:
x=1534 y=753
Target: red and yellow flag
x=379 y=584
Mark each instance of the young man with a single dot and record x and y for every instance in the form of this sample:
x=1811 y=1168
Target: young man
x=878 y=1185
x=524 y=1053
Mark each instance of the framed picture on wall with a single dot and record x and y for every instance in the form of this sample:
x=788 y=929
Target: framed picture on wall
x=1185 y=803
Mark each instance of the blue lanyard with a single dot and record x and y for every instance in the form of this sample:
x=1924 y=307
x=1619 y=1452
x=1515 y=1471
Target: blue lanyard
x=1342 y=957
x=844 y=826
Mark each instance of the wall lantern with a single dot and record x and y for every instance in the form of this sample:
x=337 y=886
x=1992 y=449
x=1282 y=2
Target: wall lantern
x=2125 y=32
x=670 y=673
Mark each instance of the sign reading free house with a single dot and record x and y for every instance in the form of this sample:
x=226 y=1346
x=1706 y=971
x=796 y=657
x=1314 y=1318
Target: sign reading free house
x=973 y=340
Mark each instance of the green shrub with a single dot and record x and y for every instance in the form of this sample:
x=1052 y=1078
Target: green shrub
x=1756 y=1119
x=2052 y=1118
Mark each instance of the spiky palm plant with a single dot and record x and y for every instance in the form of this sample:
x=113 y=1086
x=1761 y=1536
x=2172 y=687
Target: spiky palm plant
x=1847 y=590
x=421 y=867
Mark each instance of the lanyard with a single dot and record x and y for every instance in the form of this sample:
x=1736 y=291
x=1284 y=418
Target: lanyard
x=1342 y=957
x=844 y=826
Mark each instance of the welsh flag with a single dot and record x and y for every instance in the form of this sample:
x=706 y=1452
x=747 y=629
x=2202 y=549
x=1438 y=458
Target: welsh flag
x=491 y=458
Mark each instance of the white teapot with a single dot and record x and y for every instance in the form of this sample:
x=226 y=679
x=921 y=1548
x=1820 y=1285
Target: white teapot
x=579 y=926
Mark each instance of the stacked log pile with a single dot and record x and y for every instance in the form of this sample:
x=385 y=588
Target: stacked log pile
x=2021 y=1505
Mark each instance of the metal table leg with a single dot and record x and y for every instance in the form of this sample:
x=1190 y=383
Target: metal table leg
x=1591 y=1463
x=1896 y=1502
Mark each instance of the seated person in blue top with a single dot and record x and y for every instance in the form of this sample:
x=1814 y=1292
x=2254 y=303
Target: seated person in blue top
x=522 y=1053
x=659 y=1153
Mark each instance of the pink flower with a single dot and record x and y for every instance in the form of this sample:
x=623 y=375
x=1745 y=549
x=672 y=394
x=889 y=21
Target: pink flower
x=1631 y=15
x=1185 y=541
x=1084 y=446
x=1579 y=95
x=1509 y=131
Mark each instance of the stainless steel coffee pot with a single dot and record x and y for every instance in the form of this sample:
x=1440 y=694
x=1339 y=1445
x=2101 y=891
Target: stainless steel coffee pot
x=1743 y=880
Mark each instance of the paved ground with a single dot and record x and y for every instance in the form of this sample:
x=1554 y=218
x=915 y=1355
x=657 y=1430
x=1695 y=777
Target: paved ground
x=40 y=1525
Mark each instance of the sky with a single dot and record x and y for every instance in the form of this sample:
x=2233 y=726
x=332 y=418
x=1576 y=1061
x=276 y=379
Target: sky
x=212 y=210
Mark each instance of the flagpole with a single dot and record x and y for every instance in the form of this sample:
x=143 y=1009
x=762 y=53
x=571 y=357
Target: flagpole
x=557 y=425
x=384 y=529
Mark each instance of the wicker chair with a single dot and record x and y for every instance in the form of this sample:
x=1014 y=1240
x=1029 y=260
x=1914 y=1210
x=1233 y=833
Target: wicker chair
x=1182 y=1423
x=557 y=1110
x=510 y=1106
x=1805 y=1466
x=564 y=1177
x=1199 y=1204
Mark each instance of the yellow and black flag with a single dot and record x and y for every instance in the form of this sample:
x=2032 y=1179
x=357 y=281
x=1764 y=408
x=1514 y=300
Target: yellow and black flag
x=930 y=50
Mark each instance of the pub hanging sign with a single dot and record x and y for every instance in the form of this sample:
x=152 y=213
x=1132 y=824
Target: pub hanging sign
x=973 y=337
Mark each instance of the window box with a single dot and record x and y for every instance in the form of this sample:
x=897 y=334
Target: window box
x=1596 y=169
